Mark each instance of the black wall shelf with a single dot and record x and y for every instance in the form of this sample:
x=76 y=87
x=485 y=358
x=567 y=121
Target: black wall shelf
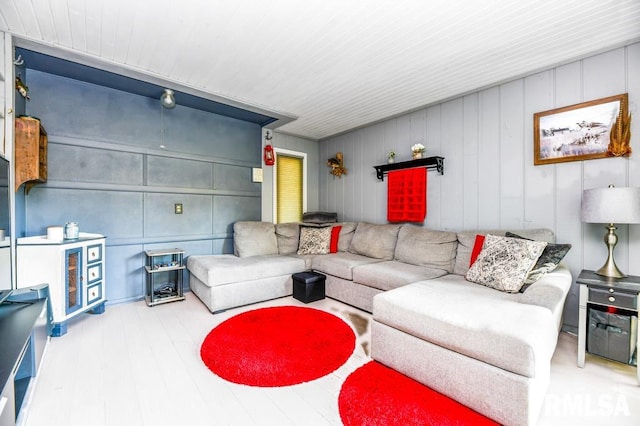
x=429 y=163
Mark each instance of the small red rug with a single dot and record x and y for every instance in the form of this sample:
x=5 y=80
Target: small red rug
x=279 y=346
x=377 y=395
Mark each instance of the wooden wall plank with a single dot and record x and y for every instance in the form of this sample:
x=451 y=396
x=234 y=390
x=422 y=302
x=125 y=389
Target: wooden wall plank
x=452 y=197
x=511 y=155
x=568 y=189
x=489 y=159
x=539 y=181
x=76 y=14
x=434 y=181
x=470 y=161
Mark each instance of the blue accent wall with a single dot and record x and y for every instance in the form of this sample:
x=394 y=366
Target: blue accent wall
x=118 y=163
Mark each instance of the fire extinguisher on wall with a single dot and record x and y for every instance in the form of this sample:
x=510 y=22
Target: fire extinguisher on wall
x=269 y=154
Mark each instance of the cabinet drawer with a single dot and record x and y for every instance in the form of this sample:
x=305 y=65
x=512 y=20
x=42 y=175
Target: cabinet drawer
x=94 y=273
x=94 y=253
x=94 y=293
x=612 y=297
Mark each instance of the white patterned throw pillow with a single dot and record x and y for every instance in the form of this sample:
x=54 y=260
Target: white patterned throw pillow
x=504 y=262
x=314 y=240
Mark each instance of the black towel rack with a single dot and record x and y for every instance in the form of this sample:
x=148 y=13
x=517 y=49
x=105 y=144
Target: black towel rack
x=429 y=163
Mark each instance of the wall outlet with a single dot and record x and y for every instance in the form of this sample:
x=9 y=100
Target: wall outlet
x=178 y=208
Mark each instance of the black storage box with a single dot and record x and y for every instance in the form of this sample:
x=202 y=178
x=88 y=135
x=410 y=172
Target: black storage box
x=612 y=335
x=308 y=286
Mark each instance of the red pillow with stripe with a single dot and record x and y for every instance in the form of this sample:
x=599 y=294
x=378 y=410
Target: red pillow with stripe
x=335 y=235
x=477 y=248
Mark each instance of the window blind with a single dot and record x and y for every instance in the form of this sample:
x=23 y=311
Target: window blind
x=288 y=188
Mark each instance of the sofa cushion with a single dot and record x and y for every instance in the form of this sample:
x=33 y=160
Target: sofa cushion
x=314 y=240
x=426 y=247
x=377 y=241
x=547 y=262
x=346 y=235
x=504 y=262
x=392 y=273
x=288 y=235
x=466 y=239
x=340 y=264
x=254 y=239
x=550 y=292
x=479 y=322
x=214 y=270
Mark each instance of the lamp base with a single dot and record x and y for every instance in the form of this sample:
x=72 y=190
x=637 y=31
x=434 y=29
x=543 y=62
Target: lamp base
x=611 y=272
x=609 y=269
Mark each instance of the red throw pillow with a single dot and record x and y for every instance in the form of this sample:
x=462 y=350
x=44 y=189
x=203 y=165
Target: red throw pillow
x=477 y=248
x=335 y=235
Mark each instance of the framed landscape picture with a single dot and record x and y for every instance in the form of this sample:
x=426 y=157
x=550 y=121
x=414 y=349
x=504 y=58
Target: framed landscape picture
x=576 y=132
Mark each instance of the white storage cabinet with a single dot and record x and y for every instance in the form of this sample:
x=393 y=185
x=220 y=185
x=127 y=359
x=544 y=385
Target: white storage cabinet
x=74 y=270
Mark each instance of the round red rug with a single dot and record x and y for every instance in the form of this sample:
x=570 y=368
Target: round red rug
x=377 y=395
x=278 y=346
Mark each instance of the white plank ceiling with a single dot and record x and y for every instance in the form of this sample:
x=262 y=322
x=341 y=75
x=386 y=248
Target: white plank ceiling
x=335 y=64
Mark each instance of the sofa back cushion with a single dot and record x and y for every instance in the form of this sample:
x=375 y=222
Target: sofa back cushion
x=376 y=241
x=466 y=240
x=288 y=235
x=346 y=235
x=426 y=247
x=254 y=239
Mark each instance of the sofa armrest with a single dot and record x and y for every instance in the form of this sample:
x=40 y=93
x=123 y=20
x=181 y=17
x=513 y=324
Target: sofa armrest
x=550 y=291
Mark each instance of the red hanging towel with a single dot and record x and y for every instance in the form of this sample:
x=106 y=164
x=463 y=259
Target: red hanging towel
x=407 y=195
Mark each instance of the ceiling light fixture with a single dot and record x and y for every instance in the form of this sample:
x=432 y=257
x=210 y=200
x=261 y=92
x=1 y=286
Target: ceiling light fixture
x=168 y=99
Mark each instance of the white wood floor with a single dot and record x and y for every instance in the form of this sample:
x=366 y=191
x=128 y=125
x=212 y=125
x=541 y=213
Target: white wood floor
x=136 y=365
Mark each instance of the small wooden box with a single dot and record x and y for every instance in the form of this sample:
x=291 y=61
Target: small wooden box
x=30 y=152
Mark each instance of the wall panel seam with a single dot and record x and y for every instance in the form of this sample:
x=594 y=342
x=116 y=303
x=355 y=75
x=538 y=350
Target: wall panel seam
x=111 y=146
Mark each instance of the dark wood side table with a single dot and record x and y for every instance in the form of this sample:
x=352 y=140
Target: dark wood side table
x=604 y=295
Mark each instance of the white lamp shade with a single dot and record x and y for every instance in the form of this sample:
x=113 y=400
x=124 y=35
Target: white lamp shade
x=611 y=205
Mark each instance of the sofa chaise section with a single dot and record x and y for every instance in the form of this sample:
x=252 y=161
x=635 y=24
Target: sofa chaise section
x=255 y=273
x=488 y=349
x=228 y=281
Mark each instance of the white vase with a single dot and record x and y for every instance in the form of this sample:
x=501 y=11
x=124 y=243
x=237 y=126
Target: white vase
x=416 y=155
x=391 y=160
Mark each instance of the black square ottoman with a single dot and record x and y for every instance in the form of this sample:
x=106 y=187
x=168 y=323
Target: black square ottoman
x=308 y=286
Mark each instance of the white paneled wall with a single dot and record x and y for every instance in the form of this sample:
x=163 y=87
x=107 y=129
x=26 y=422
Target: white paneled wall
x=490 y=181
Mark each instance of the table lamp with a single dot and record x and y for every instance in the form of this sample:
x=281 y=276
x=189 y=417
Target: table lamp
x=611 y=205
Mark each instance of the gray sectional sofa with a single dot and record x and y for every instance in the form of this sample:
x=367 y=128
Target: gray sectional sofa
x=488 y=349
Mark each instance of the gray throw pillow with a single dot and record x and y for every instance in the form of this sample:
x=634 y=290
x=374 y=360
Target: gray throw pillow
x=547 y=262
x=504 y=262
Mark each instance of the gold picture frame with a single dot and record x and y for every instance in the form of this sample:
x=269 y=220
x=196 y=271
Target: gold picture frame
x=576 y=132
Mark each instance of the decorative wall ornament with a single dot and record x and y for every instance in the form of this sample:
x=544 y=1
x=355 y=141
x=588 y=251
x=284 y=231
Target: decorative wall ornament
x=269 y=154
x=337 y=165
x=22 y=88
x=620 y=136
x=581 y=131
